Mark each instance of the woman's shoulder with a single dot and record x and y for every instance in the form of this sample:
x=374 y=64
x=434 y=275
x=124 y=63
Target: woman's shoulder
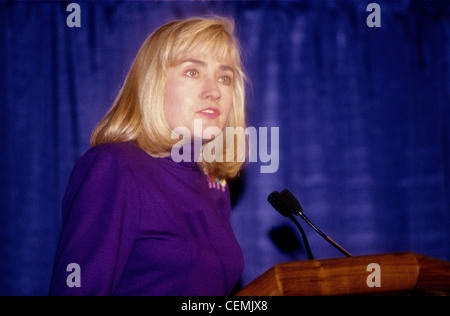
x=118 y=151
x=121 y=155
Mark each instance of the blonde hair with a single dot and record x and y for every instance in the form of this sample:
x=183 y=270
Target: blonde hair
x=137 y=114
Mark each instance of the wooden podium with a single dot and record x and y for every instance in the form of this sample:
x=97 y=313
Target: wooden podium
x=386 y=274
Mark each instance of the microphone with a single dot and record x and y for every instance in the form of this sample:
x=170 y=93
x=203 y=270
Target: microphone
x=297 y=209
x=280 y=204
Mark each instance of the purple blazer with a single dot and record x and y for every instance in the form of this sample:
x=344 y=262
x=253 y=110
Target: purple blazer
x=138 y=225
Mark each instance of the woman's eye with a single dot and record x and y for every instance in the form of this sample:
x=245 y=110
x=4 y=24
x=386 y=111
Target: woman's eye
x=192 y=73
x=225 y=80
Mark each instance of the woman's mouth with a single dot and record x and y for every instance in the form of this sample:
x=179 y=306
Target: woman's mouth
x=211 y=113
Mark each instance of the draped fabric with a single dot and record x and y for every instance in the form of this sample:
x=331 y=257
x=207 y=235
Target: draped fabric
x=363 y=115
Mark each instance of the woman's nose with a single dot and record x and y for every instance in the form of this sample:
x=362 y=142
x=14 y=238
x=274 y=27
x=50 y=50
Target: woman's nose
x=210 y=89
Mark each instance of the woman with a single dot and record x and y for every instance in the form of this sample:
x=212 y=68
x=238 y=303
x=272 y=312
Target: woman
x=137 y=222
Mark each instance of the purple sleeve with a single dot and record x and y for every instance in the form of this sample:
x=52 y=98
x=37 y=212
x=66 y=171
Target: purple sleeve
x=100 y=221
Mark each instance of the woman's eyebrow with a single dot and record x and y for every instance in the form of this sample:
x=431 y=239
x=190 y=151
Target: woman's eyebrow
x=195 y=61
x=226 y=68
x=203 y=64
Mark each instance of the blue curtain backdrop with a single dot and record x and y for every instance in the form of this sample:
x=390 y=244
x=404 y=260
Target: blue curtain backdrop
x=363 y=116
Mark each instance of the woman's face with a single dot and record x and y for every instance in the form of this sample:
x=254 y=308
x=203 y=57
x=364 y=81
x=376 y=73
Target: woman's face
x=199 y=88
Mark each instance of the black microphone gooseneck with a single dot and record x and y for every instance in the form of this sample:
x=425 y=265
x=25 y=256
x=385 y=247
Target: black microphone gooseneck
x=280 y=204
x=297 y=209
